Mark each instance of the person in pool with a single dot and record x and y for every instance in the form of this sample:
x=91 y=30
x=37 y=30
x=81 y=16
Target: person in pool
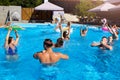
x=83 y=32
x=110 y=40
x=114 y=32
x=59 y=23
x=47 y=56
x=67 y=28
x=65 y=32
x=103 y=44
x=65 y=35
x=59 y=43
x=10 y=45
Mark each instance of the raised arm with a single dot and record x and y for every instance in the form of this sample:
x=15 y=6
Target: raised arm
x=81 y=31
x=94 y=44
x=110 y=29
x=61 y=31
x=7 y=37
x=17 y=38
x=107 y=46
x=35 y=55
x=87 y=28
x=116 y=35
x=69 y=31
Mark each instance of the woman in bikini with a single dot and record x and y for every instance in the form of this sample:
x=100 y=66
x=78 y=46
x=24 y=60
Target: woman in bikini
x=10 y=46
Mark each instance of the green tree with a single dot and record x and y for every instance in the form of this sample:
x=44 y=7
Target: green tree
x=31 y=3
x=85 y=5
x=38 y=2
x=23 y=3
x=4 y=2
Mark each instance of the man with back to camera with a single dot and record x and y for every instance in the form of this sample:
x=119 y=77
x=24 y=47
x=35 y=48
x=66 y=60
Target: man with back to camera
x=47 y=56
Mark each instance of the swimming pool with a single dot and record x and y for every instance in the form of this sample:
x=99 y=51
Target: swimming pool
x=85 y=62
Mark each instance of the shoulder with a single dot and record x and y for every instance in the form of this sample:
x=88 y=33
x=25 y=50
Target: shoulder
x=38 y=54
x=6 y=46
x=57 y=53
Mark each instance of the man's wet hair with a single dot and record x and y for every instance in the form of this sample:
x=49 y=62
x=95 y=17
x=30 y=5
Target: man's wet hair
x=47 y=43
x=59 y=42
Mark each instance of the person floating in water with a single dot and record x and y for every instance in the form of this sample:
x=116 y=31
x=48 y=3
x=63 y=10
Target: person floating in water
x=10 y=45
x=83 y=32
x=59 y=23
x=65 y=32
x=103 y=44
x=47 y=56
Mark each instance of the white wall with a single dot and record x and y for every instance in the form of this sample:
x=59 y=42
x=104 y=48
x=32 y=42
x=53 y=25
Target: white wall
x=4 y=10
x=3 y=13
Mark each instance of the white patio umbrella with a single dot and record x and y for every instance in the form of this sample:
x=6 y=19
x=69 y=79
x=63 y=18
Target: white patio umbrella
x=114 y=1
x=104 y=7
x=115 y=13
x=49 y=7
x=117 y=8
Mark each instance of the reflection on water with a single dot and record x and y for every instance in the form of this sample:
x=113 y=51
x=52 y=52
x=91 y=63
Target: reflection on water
x=102 y=60
x=9 y=70
x=48 y=72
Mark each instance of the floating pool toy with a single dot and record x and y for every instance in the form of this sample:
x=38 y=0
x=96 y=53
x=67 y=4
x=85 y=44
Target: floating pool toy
x=104 y=21
x=105 y=29
x=15 y=27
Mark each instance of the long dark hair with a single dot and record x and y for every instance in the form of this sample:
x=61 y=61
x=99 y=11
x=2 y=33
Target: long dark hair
x=65 y=34
x=9 y=40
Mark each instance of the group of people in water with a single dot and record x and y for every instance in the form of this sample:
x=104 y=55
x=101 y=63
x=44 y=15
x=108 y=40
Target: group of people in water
x=107 y=43
x=48 y=56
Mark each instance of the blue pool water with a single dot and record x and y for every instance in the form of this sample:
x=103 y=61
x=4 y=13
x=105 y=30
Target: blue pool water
x=85 y=62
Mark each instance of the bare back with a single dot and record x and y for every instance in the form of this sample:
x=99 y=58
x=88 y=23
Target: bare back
x=50 y=57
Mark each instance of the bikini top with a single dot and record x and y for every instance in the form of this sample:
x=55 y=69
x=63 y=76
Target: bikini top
x=10 y=51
